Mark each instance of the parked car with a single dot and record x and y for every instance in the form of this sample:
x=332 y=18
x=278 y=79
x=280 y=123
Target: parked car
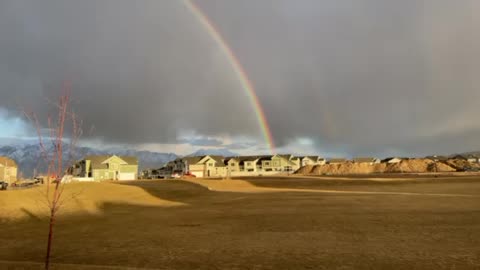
x=38 y=180
x=189 y=174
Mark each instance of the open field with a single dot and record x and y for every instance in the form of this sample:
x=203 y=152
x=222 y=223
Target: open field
x=255 y=223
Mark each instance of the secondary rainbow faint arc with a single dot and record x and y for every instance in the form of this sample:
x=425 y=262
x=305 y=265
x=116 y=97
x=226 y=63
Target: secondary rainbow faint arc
x=238 y=69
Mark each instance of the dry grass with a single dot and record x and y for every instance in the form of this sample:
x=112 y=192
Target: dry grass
x=78 y=198
x=254 y=224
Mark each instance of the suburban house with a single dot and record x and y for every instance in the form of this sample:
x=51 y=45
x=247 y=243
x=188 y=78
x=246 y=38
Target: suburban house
x=392 y=160
x=202 y=166
x=284 y=163
x=309 y=160
x=472 y=159
x=208 y=166
x=236 y=165
x=218 y=166
x=250 y=164
x=266 y=164
x=98 y=168
x=8 y=170
x=366 y=160
x=443 y=158
x=337 y=161
x=233 y=164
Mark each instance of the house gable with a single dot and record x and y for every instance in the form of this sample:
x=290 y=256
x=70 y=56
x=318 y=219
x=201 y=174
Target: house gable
x=115 y=160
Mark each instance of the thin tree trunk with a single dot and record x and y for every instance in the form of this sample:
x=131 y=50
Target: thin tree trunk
x=50 y=238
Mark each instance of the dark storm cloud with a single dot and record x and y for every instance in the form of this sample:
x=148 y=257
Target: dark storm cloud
x=240 y=146
x=140 y=72
x=356 y=76
x=362 y=77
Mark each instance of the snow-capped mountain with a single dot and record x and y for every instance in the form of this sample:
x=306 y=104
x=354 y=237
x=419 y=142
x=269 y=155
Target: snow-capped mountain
x=28 y=156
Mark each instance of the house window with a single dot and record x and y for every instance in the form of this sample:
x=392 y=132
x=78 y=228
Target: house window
x=249 y=163
x=267 y=163
x=232 y=164
x=210 y=164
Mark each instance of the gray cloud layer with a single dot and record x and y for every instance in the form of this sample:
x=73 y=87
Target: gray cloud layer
x=368 y=76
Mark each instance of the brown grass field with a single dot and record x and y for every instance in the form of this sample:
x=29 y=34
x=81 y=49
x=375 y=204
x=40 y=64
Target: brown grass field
x=255 y=223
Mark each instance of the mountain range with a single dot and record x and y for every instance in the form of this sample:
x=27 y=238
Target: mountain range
x=214 y=152
x=28 y=156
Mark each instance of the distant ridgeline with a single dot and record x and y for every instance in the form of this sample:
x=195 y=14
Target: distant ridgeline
x=28 y=157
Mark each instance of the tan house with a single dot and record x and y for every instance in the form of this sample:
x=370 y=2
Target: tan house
x=8 y=170
x=393 y=160
x=309 y=160
x=251 y=164
x=203 y=166
x=105 y=167
x=218 y=166
x=366 y=160
x=266 y=163
x=284 y=163
x=233 y=164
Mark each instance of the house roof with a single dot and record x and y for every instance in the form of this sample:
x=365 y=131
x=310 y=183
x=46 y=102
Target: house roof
x=262 y=158
x=218 y=161
x=250 y=158
x=285 y=156
x=337 y=160
x=192 y=160
x=442 y=157
x=8 y=161
x=391 y=158
x=131 y=160
x=463 y=157
x=97 y=161
x=311 y=157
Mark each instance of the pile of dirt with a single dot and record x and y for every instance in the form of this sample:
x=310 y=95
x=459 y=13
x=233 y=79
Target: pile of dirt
x=305 y=169
x=461 y=165
x=405 y=166
x=348 y=168
x=442 y=167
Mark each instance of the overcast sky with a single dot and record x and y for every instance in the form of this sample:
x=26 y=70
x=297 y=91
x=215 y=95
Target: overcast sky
x=350 y=77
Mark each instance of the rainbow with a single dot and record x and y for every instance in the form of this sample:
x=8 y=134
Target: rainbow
x=239 y=71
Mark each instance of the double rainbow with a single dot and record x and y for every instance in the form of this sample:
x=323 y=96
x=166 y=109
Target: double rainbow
x=239 y=71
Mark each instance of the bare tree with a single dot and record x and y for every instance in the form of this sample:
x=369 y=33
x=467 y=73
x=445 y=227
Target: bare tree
x=53 y=146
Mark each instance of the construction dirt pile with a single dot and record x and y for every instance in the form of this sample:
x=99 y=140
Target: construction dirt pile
x=405 y=166
x=461 y=165
x=305 y=169
x=348 y=168
x=420 y=165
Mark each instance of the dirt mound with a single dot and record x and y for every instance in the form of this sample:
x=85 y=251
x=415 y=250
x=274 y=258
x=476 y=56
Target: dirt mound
x=348 y=168
x=405 y=166
x=461 y=165
x=442 y=167
x=409 y=166
x=305 y=169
